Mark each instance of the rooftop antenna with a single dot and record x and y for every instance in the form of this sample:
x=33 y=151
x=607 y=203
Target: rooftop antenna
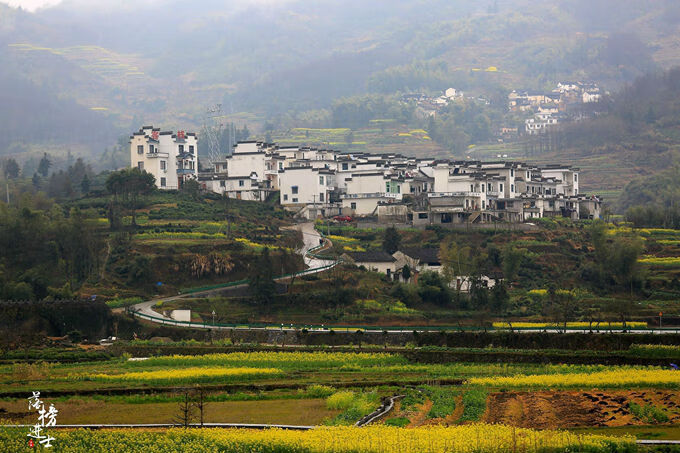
x=212 y=127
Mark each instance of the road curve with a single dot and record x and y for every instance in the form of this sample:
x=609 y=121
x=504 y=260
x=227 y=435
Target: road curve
x=311 y=240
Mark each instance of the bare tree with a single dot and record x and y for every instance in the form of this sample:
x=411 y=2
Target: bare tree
x=185 y=410
x=200 y=403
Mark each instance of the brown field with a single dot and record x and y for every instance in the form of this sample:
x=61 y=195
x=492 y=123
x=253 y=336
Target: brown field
x=287 y=411
x=577 y=409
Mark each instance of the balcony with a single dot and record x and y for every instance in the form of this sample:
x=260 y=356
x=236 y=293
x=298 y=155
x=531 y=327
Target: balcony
x=395 y=196
x=157 y=155
x=453 y=194
x=185 y=171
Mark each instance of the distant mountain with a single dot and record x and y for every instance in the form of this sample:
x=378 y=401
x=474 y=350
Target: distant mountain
x=165 y=61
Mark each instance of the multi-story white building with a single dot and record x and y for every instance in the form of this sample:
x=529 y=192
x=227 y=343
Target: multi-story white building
x=170 y=157
x=316 y=182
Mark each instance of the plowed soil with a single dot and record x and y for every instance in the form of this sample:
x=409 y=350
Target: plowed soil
x=573 y=409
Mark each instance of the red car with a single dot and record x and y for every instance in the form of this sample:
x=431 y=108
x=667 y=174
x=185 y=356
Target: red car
x=343 y=218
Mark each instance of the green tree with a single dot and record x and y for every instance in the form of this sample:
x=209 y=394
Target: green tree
x=128 y=186
x=11 y=169
x=261 y=281
x=44 y=165
x=406 y=272
x=85 y=185
x=391 y=240
x=511 y=260
x=456 y=261
x=192 y=189
x=499 y=297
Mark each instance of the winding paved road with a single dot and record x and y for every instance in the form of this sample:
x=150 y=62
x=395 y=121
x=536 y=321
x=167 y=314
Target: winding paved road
x=311 y=240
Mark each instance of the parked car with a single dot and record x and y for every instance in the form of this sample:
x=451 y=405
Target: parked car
x=343 y=218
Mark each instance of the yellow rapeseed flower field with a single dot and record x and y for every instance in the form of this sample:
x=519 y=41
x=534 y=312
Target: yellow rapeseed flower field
x=181 y=374
x=625 y=377
x=570 y=325
x=473 y=438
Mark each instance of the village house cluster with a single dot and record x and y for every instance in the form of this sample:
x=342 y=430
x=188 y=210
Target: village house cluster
x=427 y=106
x=385 y=187
x=566 y=101
x=394 y=188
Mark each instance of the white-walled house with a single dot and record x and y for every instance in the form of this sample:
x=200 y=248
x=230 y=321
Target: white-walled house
x=247 y=158
x=170 y=157
x=463 y=283
x=418 y=260
x=376 y=261
x=238 y=187
x=306 y=185
x=395 y=188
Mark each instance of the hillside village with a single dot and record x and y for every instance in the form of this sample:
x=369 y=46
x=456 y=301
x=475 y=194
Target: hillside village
x=568 y=101
x=388 y=188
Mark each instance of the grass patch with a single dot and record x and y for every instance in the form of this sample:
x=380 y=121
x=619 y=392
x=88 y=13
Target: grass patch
x=354 y=406
x=443 y=401
x=648 y=413
x=474 y=405
x=398 y=421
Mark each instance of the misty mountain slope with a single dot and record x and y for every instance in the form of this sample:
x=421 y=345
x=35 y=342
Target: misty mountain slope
x=165 y=61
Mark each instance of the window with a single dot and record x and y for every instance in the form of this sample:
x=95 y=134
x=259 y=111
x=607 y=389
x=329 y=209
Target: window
x=163 y=165
x=353 y=205
x=321 y=197
x=191 y=149
x=163 y=182
x=295 y=200
x=483 y=204
x=140 y=165
x=512 y=172
x=285 y=197
x=489 y=187
x=181 y=148
x=482 y=187
x=151 y=148
x=472 y=188
x=321 y=180
x=500 y=187
x=512 y=187
x=294 y=190
x=223 y=183
x=344 y=166
x=140 y=149
x=241 y=183
x=575 y=177
x=422 y=215
x=280 y=165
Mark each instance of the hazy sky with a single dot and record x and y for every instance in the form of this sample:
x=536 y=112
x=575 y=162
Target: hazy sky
x=31 y=5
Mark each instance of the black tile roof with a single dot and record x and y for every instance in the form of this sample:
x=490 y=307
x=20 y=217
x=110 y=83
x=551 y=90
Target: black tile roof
x=371 y=257
x=424 y=255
